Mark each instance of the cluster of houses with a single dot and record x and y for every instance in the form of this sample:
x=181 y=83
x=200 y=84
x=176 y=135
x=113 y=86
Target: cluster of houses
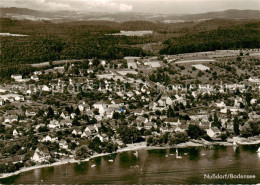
x=118 y=102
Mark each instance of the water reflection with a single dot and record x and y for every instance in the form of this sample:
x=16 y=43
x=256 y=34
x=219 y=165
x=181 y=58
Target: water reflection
x=194 y=154
x=250 y=148
x=81 y=168
x=237 y=152
x=159 y=153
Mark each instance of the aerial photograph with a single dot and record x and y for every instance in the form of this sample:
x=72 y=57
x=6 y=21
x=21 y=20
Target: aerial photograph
x=129 y=92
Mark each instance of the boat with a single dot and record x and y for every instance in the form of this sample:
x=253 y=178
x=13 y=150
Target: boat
x=93 y=165
x=166 y=155
x=177 y=155
x=136 y=154
x=110 y=160
x=258 y=151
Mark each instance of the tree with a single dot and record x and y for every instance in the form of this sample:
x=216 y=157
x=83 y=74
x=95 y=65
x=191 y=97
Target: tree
x=236 y=126
x=170 y=112
x=179 y=137
x=75 y=122
x=129 y=134
x=50 y=113
x=83 y=152
x=216 y=122
x=195 y=132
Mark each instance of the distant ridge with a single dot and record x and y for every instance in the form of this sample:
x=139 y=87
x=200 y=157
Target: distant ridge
x=65 y=16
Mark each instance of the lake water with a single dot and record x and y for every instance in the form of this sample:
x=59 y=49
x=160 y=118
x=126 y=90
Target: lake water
x=153 y=166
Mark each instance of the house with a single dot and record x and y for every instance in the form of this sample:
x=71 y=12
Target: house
x=118 y=102
x=100 y=137
x=97 y=127
x=84 y=107
x=35 y=78
x=86 y=134
x=30 y=113
x=172 y=121
x=66 y=122
x=76 y=132
x=2 y=102
x=40 y=156
x=141 y=119
x=48 y=138
x=131 y=65
x=204 y=125
x=149 y=125
x=254 y=80
x=90 y=113
x=14 y=112
x=221 y=105
x=45 y=88
x=63 y=144
x=109 y=113
x=165 y=129
x=17 y=77
x=139 y=112
x=213 y=132
x=37 y=72
x=4 y=89
x=10 y=119
x=153 y=64
x=90 y=129
x=64 y=115
x=15 y=133
x=60 y=69
x=101 y=106
x=161 y=103
x=103 y=62
x=183 y=127
x=54 y=124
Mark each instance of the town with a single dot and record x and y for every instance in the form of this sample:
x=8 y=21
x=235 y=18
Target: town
x=75 y=109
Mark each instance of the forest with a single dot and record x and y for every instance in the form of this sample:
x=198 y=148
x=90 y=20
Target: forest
x=47 y=41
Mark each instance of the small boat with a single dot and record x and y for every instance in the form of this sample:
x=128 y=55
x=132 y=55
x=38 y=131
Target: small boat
x=136 y=154
x=166 y=155
x=203 y=154
x=93 y=165
x=177 y=155
x=110 y=160
x=258 y=151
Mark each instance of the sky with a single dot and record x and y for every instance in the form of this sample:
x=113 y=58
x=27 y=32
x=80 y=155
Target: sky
x=147 y=6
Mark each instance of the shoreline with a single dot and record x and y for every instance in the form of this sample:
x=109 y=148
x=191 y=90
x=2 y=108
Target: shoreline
x=130 y=147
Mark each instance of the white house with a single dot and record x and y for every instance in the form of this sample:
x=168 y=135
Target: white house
x=35 y=77
x=254 y=80
x=40 y=156
x=83 y=107
x=45 y=88
x=17 y=77
x=10 y=119
x=15 y=133
x=54 y=124
x=48 y=138
x=2 y=102
x=101 y=106
x=221 y=105
x=213 y=132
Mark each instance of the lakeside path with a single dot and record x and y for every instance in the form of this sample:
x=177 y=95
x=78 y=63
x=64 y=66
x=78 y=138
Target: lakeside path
x=130 y=147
